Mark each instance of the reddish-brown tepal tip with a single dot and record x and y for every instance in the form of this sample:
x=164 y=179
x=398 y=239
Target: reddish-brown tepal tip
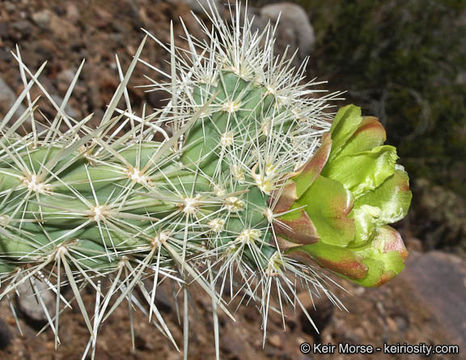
x=372 y=125
x=283 y=244
x=350 y=266
x=388 y=239
x=386 y=277
x=299 y=230
x=282 y=199
x=309 y=172
x=318 y=161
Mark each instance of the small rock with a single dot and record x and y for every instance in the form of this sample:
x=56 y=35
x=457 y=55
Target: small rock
x=64 y=79
x=72 y=13
x=250 y=314
x=294 y=28
x=9 y=6
x=29 y=305
x=102 y=17
x=63 y=29
x=359 y=291
x=461 y=78
x=21 y=26
x=3 y=30
x=392 y=324
x=7 y=99
x=276 y=341
x=235 y=341
x=414 y=244
x=68 y=109
x=402 y=323
x=198 y=5
x=42 y=18
x=358 y=334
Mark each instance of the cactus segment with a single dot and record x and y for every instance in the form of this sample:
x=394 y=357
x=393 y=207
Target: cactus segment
x=112 y=196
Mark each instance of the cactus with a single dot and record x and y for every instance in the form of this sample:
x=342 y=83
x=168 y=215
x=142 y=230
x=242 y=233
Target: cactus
x=252 y=180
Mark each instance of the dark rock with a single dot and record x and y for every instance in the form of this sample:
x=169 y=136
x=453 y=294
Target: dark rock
x=157 y=99
x=3 y=29
x=251 y=315
x=235 y=341
x=258 y=22
x=438 y=280
x=291 y=325
x=5 y=335
x=44 y=50
x=402 y=323
x=130 y=9
x=21 y=26
x=29 y=305
x=5 y=56
x=163 y=299
x=140 y=343
x=320 y=312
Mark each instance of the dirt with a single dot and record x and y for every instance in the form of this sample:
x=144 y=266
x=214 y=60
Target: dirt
x=394 y=313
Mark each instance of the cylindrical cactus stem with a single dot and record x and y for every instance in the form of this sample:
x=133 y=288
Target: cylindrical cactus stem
x=83 y=190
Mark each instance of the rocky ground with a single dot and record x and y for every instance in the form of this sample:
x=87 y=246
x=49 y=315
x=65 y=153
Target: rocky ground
x=424 y=304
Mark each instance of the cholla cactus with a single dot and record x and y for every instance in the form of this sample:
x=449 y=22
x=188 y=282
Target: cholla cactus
x=236 y=189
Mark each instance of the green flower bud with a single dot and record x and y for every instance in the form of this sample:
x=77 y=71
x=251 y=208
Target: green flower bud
x=337 y=206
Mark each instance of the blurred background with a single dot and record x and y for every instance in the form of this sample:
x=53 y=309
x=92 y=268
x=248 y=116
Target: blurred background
x=402 y=61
